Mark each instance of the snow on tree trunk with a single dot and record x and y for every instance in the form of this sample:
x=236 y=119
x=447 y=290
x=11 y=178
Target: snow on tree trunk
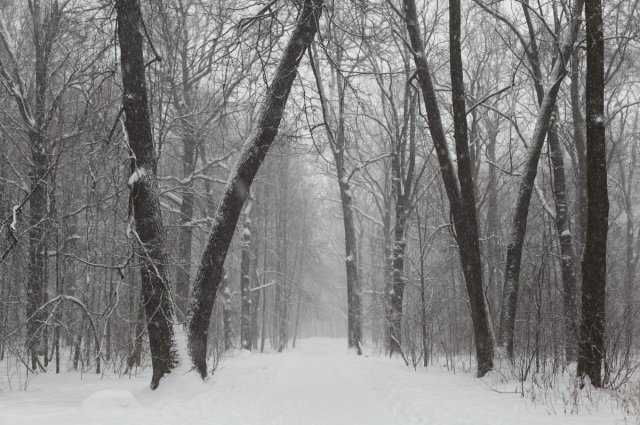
x=246 y=337
x=227 y=312
x=594 y=262
x=237 y=189
x=143 y=186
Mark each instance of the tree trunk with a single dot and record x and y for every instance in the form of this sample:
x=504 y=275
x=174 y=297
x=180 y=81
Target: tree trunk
x=461 y=199
x=521 y=212
x=402 y=183
x=143 y=188
x=37 y=254
x=594 y=263
x=237 y=189
x=185 y=234
x=580 y=155
x=246 y=336
x=227 y=312
x=338 y=147
x=567 y=266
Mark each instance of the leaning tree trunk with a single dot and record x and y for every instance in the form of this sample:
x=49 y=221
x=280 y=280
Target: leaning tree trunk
x=594 y=262
x=461 y=198
x=143 y=186
x=237 y=188
x=521 y=213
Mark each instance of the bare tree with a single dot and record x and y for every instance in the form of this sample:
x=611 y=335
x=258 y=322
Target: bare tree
x=594 y=262
x=460 y=188
x=143 y=186
x=237 y=190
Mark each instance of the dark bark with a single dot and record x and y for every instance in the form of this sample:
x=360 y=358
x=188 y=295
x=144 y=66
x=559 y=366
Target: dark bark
x=237 y=189
x=594 y=263
x=354 y=297
x=143 y=188
x=521 y=211
x=464 y=219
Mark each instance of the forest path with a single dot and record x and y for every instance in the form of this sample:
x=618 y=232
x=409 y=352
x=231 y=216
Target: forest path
x=318 y=383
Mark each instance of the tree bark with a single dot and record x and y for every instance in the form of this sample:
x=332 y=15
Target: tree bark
x=237 y=189
x=246 y=336
x=227 y=312
x=461 y=198
x=402 y=190
x=594 y=263
x=521 y=212
x=143 y=188
x=338 y=147
x=567 y=266
x=185 y=234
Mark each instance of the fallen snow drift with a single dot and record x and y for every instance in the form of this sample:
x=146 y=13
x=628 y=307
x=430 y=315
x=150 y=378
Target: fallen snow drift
x=317 y=383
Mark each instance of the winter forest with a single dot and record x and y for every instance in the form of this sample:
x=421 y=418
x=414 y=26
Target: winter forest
x=319 y=211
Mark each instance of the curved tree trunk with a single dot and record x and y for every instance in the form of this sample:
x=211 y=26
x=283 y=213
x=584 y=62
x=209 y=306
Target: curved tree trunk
x=521 y=213
x=237 y=188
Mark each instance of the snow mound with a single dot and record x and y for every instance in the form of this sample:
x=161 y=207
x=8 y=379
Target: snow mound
x=110 y=399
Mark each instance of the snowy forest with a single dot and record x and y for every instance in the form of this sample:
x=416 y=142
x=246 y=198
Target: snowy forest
x=319 y=211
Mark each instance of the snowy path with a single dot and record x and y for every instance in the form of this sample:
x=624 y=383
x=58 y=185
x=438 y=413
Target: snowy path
x=318 y=383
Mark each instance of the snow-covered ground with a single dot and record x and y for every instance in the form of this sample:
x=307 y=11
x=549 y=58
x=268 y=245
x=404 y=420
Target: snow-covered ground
x=317 y=383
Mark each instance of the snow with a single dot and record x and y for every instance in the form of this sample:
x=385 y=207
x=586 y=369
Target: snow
x=110 y=399
x=319 y=382
x=137 y=175
x=14 y=219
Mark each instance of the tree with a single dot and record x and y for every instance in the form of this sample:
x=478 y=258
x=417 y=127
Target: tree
x=544 y=125
x=143 y=187
x=594 y=262
x=246 y=328
x=237 y=189
x=460 y=188
x=336 y=134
